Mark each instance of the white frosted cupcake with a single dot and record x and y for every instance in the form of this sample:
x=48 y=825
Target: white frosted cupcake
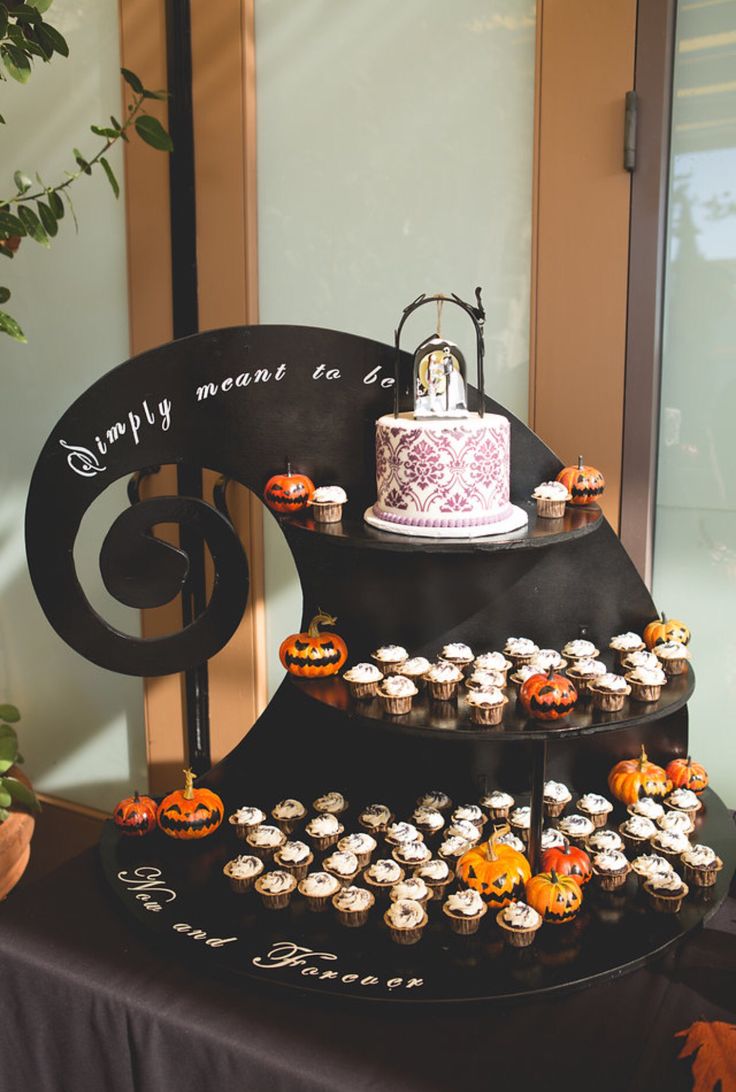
x=492 y=661
x=381 y=875
x=580 y=649
x=400 y=833
x=324 y=830
x=673 y=657
x=275 y=889
x=636 y=832
x=647 y=865
x=353 y=905
x=428 y=820
x=361 y=844
x=610 y=869
x=609 y=692
x=486 y=680
x=458 y=654
x=584 y=672
x=520 y=650
x=552 y=499
x=556 y=798
x=648 y=807
x=411 y=854
x=464 y=911
x=596 y=807
x=497 y=803
x=242 y=872
x=520 y=820
x=677 y=821
x=246 y=819
x=519 y=923
x=363 y=680
x=390 y=658
x=415 y=669
x=578 y=828
x=646 y=683
x=508 y=838
x=375 y=818
x=453 y=847
x=443 y=679
x=317 y=889
x=294 y=857
x=670 y=844
x=470 y=813
x=332 y=803
x=437 y=875
x=343 y=866
x=603 y=841
x=396 y=693
x=413 y=888
x=287 y=814
x=547 y=659
x=435 y=798
x=701 y=865
x=666 y=892
x=521 y=674
x=463 y=828
x=487 y=706
x=551 y=838
x=265 y=840
x=406 y=920
x=626 y=643
x=684 y=800
x=642 y=658
x=327 y=502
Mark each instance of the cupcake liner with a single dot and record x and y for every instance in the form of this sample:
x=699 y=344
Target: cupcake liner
x=611 y=881
x=674 y=667
x=690 y=812
x=326 y=512
x=388 y=667
x=665 y=904
x=500 y=813
x=517 y=660
x=298 y=871
x=352 y=919
x=405 y=936
x=437 y=890
x=702 y=877
x=607 y=703
x=361 y=691
x=316 y=903
x=555 y=808
x=241 y=886
x=396 y=705
x=327 y=840
x=442 y=691
x=550 y=509
x=264 y=852
x=462 y=924
x=344 y=881
x=487 y=714
x=517 y=938
x=275 y=902
x=597 y=818
x=376 y=831
x=634 y=845
x=644 y=692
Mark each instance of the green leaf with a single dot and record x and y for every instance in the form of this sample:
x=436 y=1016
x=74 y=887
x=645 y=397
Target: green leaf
x=9 y=714
x=22 y=182
x=9 y=326
x=131 y=79
x=160 y=95
x=110 y=176
x=47 y=218
x=19 y=760
x=57 y=205
x=5 y=252
x=40 y=5
x=10 y=225
x=16 y=63
x=21 y=793
x=82 y=161
x=99 y=130
x=5 y=798
x=4 y=295
x=4 y=815
x=8 y=751
x=3 y=20
x=33 y=225
x=51 y=38
x=152 y=131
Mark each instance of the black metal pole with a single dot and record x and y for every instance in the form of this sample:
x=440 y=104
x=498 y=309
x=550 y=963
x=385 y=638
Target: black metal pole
x=182 y=199
x=536 y=823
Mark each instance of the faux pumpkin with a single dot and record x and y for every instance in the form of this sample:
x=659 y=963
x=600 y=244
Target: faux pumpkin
x=548 y=696
x=189 y=812
x=288 y=492
x=314 y=654
x=686 y=774
x=584 y=483
x=633 y=778
x=665 y=629
x=496 y=871
x=136 y=814
x=568 y=860
x=557 y=898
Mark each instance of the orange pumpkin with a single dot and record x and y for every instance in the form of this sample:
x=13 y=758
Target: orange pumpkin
x=314 y=654
x=189 y=812
x=496 y=871
x=584 y=483
x=288 y=492
x=567 y=860
x=664 y=629
x=633 y=778
x=686 y=774
x=136 y=814
x=548 y=696
x=557 y=898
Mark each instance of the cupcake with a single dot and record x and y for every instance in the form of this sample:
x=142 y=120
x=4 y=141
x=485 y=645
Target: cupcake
x=411 y=854
x=648 y=865
x=578 y=828
x=353 y=905
x=520 y=820
x=580 y=649
x=287 y=814
x=610 y=869
x=294 y=857
x=521 y=674
x=470 y=813
x=603 y=841
x=498 y=804
x=642 y=658
x=390 y=658
x=556 y=798
x=463 y=828
x=684 y=800
x=428 y=820
x=242 y=872
x=435 y=798
x=324 y=830
x=666 y=892
x=400 y=833
x=327 y=502
x=519 y=923
x=464 y=910
x=596 y=807
x=673 y=657
x=546 y=660
x=246 y=819
x=513 y=840
x=317 y=889
x=442 y=679
x=648 y=807
x=486 y=680
x=362 y=845
x=265 y=840
x=551 y=498
x=492 y=661
x=332 y=803
x=382 y=875
x=584 y=672
x=406 y=921
x=646 y=683
x=363 y=680
x=701 y=865
x=636 y=832
x=415 y=669
x=437 y=875
x=520 y=650
x=626 y=643
x=396 y=693
x=375 y=818
x=453 y=847
x=677 y=821
x=343 y=866
x=413 y=888
x=670 y=844
x=275 y=889
x=551 y=838
x=609 y=692
x=487 y=706
x=458 y=654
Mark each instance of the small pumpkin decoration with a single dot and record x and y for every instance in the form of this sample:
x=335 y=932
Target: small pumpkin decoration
x=136 y=814
x=288 y=492
x=585 y=484
x=664 y=629
x=548 y=696
x=557 y=898
x=496 y=871
x=568 y=860
x=189 y=812
x=686 y=774
x=633 y=778
x=314 y=654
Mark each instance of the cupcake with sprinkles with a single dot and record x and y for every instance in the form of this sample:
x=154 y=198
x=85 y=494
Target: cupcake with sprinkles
x=389 y=658
x=497 y=803
x=520 y=650
x=381 y=875
x=458 y=654
x=666 y=892
x=324 y=830
x=363 y=680
x=361 y=844
x=242 y=872
x=437 y=875
x=520 y=924
x=317 y=889
x=464 y=911
x=294 y=857
x=287 y=814
x=275 y=889
x=246 y=819
x=701 y=865
x=406 y=921
x=353 y=905
x=376 y=818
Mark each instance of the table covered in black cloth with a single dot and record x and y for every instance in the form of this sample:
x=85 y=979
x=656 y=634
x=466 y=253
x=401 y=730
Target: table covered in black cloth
x=89 y=1005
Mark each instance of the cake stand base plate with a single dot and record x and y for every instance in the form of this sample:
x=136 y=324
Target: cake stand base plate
x=515 y=521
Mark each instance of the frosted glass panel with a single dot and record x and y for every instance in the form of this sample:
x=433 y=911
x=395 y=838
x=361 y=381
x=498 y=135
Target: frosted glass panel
x=82 y=731
x=695 y=542
x=394 y=157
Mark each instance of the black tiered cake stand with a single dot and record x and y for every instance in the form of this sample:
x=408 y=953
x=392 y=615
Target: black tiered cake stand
x=550 y=581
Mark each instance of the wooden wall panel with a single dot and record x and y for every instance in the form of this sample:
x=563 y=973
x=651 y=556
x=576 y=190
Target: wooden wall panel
x=582 y=198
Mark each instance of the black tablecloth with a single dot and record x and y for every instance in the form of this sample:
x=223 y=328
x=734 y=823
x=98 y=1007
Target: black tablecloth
x=88 y=1005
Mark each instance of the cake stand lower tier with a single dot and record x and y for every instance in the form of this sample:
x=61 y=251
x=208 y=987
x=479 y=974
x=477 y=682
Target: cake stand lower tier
x=178 y=894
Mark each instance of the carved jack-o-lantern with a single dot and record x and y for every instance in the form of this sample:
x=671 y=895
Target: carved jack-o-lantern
x=686 y=774
x=664 y=629
x=189 y=812
x=557 y=898
x=288 y=492
x=548 y=696
x=633 y=778
x=496 y=871
x=567 y=860
x=313 y=654
x=584 y=483
x=136 y=814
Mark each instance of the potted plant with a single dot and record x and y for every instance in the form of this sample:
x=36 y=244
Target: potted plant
x=18 y=805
